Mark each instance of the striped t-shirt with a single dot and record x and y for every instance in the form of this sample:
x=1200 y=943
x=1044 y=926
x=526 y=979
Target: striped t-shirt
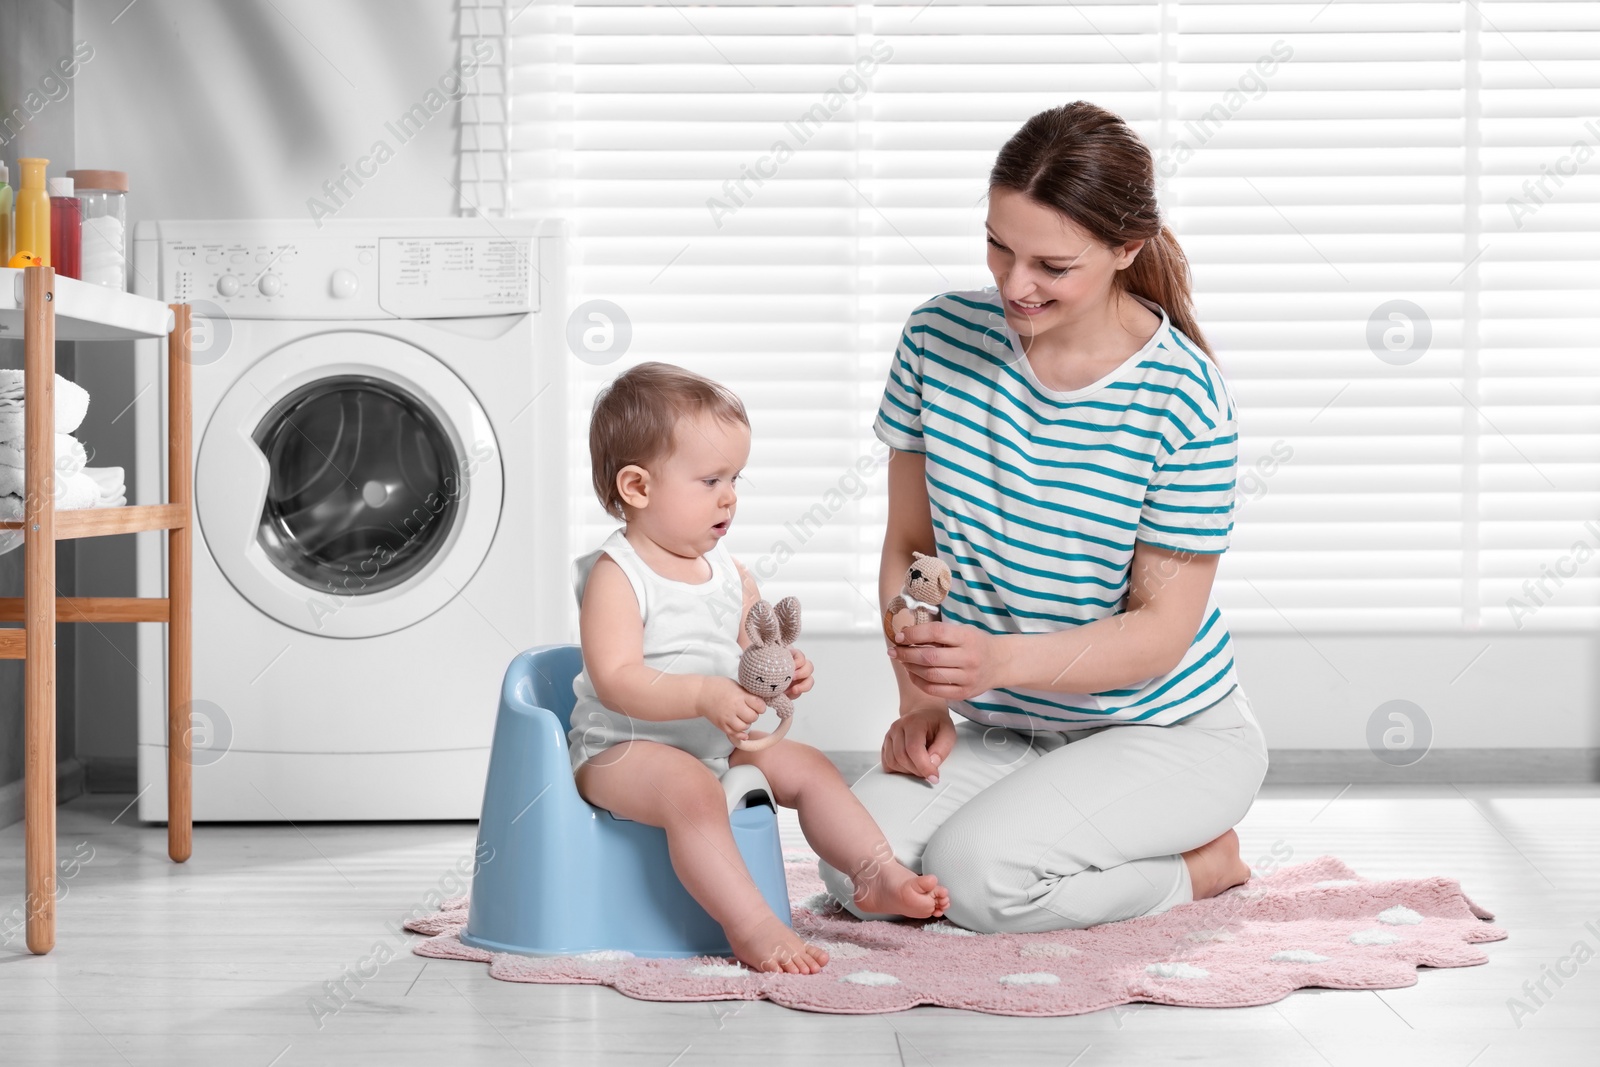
x=1038 y=495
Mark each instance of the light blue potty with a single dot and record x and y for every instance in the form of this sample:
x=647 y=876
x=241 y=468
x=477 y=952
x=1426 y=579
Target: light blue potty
x=557 y=875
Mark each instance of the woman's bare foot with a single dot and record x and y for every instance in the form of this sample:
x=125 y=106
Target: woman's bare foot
x=769 y=945
x=1215 y=866
x=894 y=889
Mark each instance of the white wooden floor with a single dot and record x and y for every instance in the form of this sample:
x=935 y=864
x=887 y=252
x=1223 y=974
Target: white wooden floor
x=217 y=961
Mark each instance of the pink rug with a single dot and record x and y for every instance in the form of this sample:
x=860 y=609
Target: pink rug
x=1313 y=924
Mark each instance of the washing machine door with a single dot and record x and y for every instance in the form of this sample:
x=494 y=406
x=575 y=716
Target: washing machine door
x=348 y=484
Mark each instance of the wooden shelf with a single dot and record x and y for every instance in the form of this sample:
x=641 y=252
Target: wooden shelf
x=106 y=522
x=93 y=609
x=85 y=312
x=40 y=308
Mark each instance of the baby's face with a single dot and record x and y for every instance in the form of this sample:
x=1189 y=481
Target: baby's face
x=692 y=494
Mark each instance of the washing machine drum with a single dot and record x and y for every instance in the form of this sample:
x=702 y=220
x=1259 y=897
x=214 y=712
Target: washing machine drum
x=348 y=485
x=357 y=498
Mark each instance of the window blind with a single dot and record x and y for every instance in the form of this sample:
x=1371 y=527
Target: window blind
x=762 y=192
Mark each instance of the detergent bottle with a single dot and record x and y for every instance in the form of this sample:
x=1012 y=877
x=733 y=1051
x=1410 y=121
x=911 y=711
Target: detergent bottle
x=33 y=211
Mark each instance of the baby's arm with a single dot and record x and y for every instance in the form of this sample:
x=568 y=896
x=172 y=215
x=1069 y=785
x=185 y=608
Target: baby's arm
x=613 y=653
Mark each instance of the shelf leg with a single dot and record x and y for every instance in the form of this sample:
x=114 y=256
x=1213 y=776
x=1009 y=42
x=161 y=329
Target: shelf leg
x=39 y=605
x=180 y=541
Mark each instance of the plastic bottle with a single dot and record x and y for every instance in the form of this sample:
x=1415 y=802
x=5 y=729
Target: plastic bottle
x=5 y=216
x=66 y=228
x=33 y=211
x=103 y=195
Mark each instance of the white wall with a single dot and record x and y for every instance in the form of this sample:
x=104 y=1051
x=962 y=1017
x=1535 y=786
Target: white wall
x=1316 y=692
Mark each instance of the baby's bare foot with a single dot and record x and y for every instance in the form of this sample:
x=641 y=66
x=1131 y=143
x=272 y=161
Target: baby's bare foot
x=769 y=945
x=1216 y=866
x=893 y=888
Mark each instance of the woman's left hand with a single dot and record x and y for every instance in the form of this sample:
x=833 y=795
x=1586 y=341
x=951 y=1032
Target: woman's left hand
x=802 y=675
x=954 y=661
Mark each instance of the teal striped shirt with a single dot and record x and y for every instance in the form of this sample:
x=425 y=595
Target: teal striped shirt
x=1038 y=495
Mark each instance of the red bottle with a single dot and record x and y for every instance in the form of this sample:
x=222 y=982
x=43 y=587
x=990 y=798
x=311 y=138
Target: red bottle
x=66 y=229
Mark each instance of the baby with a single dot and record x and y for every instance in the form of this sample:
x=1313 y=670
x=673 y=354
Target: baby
x=658 y=707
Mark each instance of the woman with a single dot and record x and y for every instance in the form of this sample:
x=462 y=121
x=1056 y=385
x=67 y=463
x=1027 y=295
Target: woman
x=1066 y=445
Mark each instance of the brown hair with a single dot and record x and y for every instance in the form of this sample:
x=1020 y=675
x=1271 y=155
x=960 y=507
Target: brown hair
x=635 y=416
x=1088 y=164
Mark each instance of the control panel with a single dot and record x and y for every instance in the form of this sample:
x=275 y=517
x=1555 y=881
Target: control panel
x=355 y=277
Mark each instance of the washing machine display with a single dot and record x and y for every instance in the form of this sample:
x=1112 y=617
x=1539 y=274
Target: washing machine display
x=362 y=492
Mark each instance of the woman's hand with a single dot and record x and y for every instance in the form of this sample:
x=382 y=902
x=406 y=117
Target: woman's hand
x=918 y=742
x=728 y=706
x=954 y=661
x=802 y=674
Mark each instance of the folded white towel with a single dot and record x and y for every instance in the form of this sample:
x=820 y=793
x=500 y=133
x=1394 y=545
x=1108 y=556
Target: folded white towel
x=109 y=480
x=70 y=488
x=72 y=403
x=70 y=456
x=72 y=492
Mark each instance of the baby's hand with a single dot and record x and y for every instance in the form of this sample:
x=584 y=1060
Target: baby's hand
x=802 y=674
x=729 y=707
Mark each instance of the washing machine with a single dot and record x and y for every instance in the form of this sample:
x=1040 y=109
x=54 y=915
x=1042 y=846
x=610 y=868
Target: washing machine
x=379 y=450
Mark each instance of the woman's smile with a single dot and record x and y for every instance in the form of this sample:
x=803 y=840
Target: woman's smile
x=1037 y=308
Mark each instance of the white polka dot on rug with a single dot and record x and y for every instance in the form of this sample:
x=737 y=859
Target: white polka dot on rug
x=1030 y=978
x=1177 y=970
x=606 y=955
x=1399 y=915
x=1298 y=955
x=843 y=950
x=1047 y=949
x=820 y=903
x=720 y=970
x=1374 y=937
x=949 y=928
x=870 y=978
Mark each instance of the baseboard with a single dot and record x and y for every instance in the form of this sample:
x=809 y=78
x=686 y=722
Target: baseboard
x=69 y=784
x=1308 y=766
x=110 y=774
x=1509 y=765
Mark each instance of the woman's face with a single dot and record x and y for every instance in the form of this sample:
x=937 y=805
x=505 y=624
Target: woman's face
x=1047 y=268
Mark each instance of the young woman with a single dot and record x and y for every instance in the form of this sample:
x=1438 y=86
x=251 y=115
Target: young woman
x=1067 y=446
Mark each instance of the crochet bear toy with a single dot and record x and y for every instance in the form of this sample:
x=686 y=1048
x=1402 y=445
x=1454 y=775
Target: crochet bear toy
x=927 y=584
x=766 y=668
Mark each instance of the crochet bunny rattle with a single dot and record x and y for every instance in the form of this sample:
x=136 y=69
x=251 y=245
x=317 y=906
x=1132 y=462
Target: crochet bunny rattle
x=927 y=584
x=767 y=667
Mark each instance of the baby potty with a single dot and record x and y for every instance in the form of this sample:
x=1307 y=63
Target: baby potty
x=557 y=875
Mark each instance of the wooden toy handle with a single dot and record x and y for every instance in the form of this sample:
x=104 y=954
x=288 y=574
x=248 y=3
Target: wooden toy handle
x=771 y=739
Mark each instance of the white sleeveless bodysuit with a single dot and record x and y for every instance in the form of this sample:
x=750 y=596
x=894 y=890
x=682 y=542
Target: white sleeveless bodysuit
x=688 y=629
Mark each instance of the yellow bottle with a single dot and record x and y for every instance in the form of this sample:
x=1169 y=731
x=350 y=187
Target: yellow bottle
x=33 y=210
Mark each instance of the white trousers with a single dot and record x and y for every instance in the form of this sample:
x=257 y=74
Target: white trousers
x=1064 y=830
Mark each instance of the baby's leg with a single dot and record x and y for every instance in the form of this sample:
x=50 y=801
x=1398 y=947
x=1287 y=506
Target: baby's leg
x=842 y=831
x=659 y=785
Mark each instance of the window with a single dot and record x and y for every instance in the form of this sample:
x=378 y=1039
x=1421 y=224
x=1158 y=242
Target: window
x=1389 y=208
